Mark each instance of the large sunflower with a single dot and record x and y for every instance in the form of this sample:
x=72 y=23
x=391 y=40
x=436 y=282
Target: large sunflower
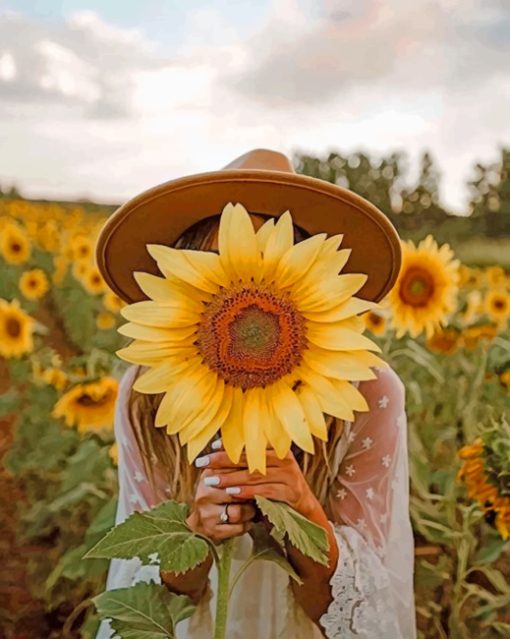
x=425 y=293
x=89 y=406
x=16 y=328
x=258 y=341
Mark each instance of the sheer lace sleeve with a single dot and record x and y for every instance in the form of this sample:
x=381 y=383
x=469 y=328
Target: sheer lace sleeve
x=135 y=494
x=373 y=582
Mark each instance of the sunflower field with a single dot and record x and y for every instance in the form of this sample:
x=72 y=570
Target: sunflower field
x=444 y=327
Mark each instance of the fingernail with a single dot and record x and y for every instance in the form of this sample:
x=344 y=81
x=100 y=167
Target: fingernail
x=202 y=461
x=212 y=481
x=217 y=444
x=233 y=490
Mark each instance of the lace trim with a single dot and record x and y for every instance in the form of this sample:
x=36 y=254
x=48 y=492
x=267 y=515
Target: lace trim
x=362 y=605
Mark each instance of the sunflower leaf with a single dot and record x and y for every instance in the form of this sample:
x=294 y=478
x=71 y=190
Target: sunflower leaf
x=265 y=547
x=162 y=530
x=306 y=536
x=144 y=611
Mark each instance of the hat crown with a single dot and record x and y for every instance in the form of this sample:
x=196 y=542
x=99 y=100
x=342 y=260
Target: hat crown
x=264 y=159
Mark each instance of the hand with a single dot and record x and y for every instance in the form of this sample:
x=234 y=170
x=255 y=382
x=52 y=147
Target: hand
x=283 y=481
x=209 y=502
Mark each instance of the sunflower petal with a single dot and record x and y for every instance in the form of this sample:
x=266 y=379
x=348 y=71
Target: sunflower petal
x=197 y=443
x=278 y=243
x=276 y=435
x=151 y=353
x=335 y=337
x=313 y=413
x=151 y=313
x=239 y=251
x=254 y=435
x=340 y=365
x=174 y=262
x=289 y=411
x=324 y=266
x=330 y=292
x=154 y=334
x=296 y=261
x=351 y=306
x=263 y=234
x=165 y=291
x=353 y=397
x=330 y=401
x=160 y=377
x=205 y=414
x=231 y=430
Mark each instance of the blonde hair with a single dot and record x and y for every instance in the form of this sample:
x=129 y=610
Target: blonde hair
x=164 y=451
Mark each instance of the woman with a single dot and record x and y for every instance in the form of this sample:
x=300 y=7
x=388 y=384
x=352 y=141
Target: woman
x=356 y=487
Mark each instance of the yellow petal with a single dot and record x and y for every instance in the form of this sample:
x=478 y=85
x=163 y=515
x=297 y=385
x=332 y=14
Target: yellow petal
x=323 y=267
x=174 y=262
x=352 y=365
x=151 y=353
x=161 y=377
x=208 y=409
x=208 y=264
x=330 y=292
x=238 y=247
x=335 y=337
x=351 y=306
x=289 y=411
x=352 y=395
x=263 y=234
x=170 y=411
x=165 y=291
x=297 y=260
x=278 y=243
x=232 y=428
x=276 y=435
x=197 y=444
x=151 y=313
x=313 y=413
x=188 y=392
x=330 y=401
x=154 y=334
x=254 y=435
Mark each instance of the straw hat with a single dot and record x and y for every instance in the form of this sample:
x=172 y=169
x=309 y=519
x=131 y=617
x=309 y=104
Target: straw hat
x=264 y=182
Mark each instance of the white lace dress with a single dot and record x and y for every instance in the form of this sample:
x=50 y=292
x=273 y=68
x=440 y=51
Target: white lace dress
x=372 y=585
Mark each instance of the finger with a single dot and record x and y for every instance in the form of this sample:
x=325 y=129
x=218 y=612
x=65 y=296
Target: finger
x=238 y=513
x=219 y=478
x=273 y=490
x=213 y=495
x=225 y=531
x=220 y=459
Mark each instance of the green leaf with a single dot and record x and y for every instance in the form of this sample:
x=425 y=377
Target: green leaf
x=163 y=530
x=144 y=611
x=265 y=547
x=491 y=551
x=307 y=537
x=9 y=402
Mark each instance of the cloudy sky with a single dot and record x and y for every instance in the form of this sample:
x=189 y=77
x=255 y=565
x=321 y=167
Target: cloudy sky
x=103 y=99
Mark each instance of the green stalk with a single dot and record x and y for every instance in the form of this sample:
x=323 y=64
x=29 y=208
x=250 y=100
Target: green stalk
x=223 y=566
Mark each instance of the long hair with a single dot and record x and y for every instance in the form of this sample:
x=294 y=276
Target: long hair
x=157 y=447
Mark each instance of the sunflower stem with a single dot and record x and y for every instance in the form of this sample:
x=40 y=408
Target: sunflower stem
x=223 y=566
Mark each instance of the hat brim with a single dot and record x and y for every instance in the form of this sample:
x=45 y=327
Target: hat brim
x=161 y=214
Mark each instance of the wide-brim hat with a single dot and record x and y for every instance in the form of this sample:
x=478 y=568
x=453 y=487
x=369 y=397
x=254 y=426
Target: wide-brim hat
x=264 y=182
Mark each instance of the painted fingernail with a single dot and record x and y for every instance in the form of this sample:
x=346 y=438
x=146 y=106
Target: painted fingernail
x=233 y=490
x=212 y=481
x=202 y=461
x=217 y=444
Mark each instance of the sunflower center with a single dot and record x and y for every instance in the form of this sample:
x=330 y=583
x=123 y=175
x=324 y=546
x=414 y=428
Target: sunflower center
x=13 y=327
x=15 y=247
x=88 y=400
x=251 y=336
x=417 y=287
